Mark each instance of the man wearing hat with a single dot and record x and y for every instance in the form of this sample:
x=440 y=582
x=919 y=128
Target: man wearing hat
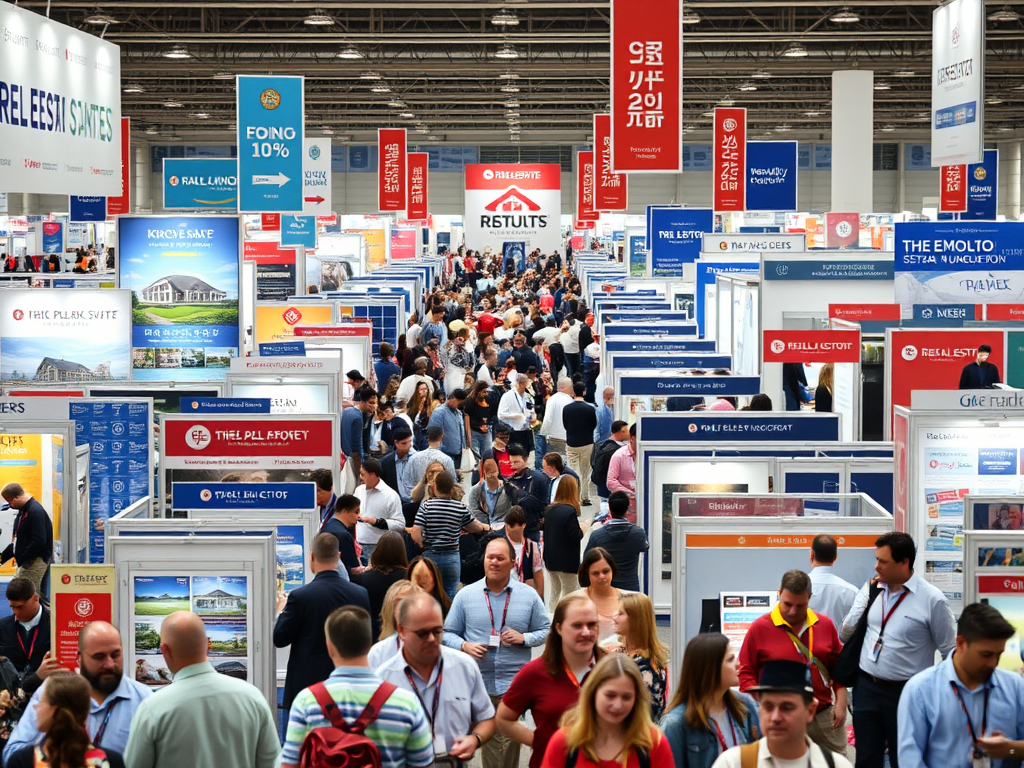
x=786 y=707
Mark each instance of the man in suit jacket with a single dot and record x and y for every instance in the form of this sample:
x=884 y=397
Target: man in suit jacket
x=301 y=623
x=402 y=482
x=32 y=545
x=25 y=635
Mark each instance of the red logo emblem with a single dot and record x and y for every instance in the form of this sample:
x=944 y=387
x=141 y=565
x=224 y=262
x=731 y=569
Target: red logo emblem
x=84 y=608
x=292 y=316
x=19 y=315
x=512 y=201
x=65 y=579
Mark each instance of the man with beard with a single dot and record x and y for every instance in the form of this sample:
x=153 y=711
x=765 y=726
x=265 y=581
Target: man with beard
x=114 y=696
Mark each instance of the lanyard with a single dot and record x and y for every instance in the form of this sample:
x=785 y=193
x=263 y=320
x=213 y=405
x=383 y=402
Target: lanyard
x=103 y=726
x=887 y=616
x=432 y=713
x=34 y=634
x=490 y=610
x=720 y=735
x=796 y=644
x=18 y=522
x=572 y=675
x=984 y=713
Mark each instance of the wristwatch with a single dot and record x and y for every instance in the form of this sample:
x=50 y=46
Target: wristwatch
x=480 y=742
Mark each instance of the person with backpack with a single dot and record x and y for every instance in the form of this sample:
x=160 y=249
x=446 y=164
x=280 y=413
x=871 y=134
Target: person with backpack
x=353 y=718
x=601 y=458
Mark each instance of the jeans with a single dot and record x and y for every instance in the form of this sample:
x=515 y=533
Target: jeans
x=367 y=551
x=540 y=443
x=450 y=565
x=481 y=443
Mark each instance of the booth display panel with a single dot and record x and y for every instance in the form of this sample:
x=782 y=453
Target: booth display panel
x=287 y=394
x=1000 y=586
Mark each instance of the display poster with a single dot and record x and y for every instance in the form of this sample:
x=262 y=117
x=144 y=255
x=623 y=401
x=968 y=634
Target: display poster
x=270 y=222
x=119 y=205
x=61 y=107
x=221 y=601
x=392 y=174
x=183 y=272
x=79 y=595
x=770 y=426
x=771 y=176
x=52 y=236
x=64 y=336
x=637 y=247
x=1006 y=595
x=842 y=230
x=585 y=210
x=200 y=184
x=376 y=251
x=316 y=176
x=741 y=609
x=514 y=202
x=953 y=262
x=811 y=346
x=513 y=251
x=730 y=159
x=953 y=188
x=277 y=322
x=403 y=243
x=21 y=461
x=610 y=188
x=418 y=207
x=983 y=188
x=298 y=230
x=271 y=113
x=958 y=82
x=276 y=268
x=646 y=87
x=83 y=209
x=705 y=282
x=836 y=268
x=674 y=237
x=288 y=398
x=739 y=506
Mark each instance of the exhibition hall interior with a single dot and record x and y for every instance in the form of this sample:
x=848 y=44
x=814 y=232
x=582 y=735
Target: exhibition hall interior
x=686 y=336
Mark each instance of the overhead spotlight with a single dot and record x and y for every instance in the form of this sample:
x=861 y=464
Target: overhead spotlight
x=134 y=88
x=327 y=130
x=762 y=74
x=506 y=52
x=844 y=16
x=380 y=87
x=318 y=18
x=172 y=103
x=407 y=115
x=422 y=129
x=1004 y=14
x=177 y=52
x=795 y=51
x=351 y=53
x=993 y=100
x=881 y=85
x=396 y=103
x=784 y=128
x=152 y=131
x=201 y=115
x=504 y=18
x=512 y=104
x=748 y=86
x=726 y=101
x=508 y=76
x=811 y=113
x=101 y=19
x=510 y=88
x=369 y=75
x=887 y=128
x=223 y=75
x=511 y=114
x=690 y=17
x=903 y=73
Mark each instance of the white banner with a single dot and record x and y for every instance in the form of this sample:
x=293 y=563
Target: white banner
x=753 y=243
x=513 y=203
x=958 y=82
x=316 y=177
x=60 y=108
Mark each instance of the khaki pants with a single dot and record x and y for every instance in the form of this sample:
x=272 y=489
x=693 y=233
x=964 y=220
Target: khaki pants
x=559 y=585
x=34 y=571
x=579 y=460
x=822 y=733
x=500 y=751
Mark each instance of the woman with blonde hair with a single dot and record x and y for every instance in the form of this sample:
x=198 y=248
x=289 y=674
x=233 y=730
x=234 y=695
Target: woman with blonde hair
x=390 y=643
x=611 y=723
x=562 y=536
x=638 y=638
x=823 y=393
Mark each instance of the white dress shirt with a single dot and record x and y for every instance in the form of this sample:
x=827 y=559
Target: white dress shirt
x=552 y=426
x=513 y=409
x=830 y=595
x=383 y=503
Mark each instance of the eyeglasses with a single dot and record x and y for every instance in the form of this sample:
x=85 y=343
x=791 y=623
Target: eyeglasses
x=423 y=634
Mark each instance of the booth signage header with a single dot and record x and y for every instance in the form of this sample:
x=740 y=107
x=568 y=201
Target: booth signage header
x=987 y=400
x=637 y=328
x=195 y=443
x=200 y=183
x=671 y=361
x=828 y=269
x=283 y=349
x=1000 y=585
x=185 y=496
x=751 y=506
x=661 y=347
x=771 y=541
x=234 y=405
x=280 y=365
x=754 y=243
x=856 y=312
x=811 y=346
x=690 y=385
x=764 y=428
x=514 y=202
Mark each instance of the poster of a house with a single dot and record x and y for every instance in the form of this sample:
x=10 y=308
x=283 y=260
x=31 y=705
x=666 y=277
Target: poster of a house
x=219 y=595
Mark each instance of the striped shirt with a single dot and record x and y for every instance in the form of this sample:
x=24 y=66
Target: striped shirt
x=442 y=520
x=401 y=731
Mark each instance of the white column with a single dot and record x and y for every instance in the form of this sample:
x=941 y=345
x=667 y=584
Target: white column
x=1009 y=179
x=852 y=141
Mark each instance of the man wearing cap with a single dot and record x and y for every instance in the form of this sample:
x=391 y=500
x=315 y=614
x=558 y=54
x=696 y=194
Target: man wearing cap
x=451 y=419
x=980 y=374
x=786 y=707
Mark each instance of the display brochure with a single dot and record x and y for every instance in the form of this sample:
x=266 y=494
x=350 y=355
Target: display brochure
x=79 y=594
x=739 y=610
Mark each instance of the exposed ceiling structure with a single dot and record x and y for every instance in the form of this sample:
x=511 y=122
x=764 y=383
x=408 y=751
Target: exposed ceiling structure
x=491 y=72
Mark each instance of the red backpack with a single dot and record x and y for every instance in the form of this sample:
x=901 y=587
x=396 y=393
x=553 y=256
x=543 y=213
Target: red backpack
x=340 y=745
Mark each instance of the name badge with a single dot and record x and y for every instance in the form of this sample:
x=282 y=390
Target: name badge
x=494 y=641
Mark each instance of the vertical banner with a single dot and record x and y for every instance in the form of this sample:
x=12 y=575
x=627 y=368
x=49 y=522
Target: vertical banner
x=730 y=159
x=771 y=176
x=647 y=86
x=953 y=193
x=958 y=82
x=585 y=210
x=674 y=237
x=982 y=188
x=122 y=204
x=270 y=114
x=610 y=188
x=391 y=170
x=316 y=177
x=418 y=207
x=87 y=209
x=80 y=595
x=53 y=237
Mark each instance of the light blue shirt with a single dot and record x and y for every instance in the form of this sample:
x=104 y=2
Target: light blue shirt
x=453 y=422
x=422 y=460
x=470 y=621
x=604 y=423
x=406 y=480
x=921 y=625
x=121 y=705
x=830 y=595
x=932 y=729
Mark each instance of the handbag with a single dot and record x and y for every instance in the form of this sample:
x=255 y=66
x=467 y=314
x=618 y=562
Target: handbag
x=847 y=666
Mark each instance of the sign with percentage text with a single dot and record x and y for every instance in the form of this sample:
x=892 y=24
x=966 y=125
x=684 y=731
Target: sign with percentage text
x=270 y=138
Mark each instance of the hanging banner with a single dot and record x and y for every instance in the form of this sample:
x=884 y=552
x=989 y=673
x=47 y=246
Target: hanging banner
x=53 y=236
x=865 y=312
x=811 y=346
x=403 y=244
x=87 y=209
x=391 y=173
x=299 y=230
x=730 y=158
x=200 y=184
x=183 y=271
x=79 y=595
x=958 y=82
x=585 y=210
x=753 y=243
x=610 y=188
x=953 y=189
x=270 y=114
x=842 y=230
x=674 y=237
x=647 y=86
x=514 y=202
x=277 y=322
x=119 y=205
x=771 y=175
x=316 y=177
x=983 y=188
x=243 y=496
x=418 y=207
x=276 y=270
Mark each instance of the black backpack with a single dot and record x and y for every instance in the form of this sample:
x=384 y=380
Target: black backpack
x=601 y=459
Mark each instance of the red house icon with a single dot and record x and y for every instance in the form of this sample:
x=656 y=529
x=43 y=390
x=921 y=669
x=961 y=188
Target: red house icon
x=512 y=201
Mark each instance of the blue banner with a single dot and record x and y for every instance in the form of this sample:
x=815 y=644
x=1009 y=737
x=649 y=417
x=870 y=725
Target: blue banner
x=283 y=349
x=674 y=237
x=52 y=236
x=829 y=269
x=764 y=427
x=243 y=496
x=706 y=271
x=944 y=315
x=657 y=386
x=299 y=230
x=771 y=175
x=645 y=316
x=684 y=360
x=637 y=256
x=200 y=184
x=225 y=405
x=629 y=329
x=87 y=208
x=270 y=114
x=513 y=251
x=982 y=188
x=658 y=346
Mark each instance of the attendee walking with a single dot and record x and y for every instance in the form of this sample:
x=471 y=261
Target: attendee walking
x=580 y=421
x=831 y=595
x=25 y=635
x=624 y=542
x=596 y=575
x=388 y=564
x=439 y=523
x=390 y=643
x=32 y=536
x=380 y=509
x=563 y=534
x=622 y=472
x=637 y=636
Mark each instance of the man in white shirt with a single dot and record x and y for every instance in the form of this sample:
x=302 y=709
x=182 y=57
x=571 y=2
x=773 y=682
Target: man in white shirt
x=516 y=409
x=552 y=427
x=830 y=595
x=380 y=508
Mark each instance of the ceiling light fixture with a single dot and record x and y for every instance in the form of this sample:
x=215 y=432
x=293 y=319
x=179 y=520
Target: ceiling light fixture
x=177 y=52
x=748 y=87
x=844 y=16
x=134 y=88
x=201 y=115
x=505 y=18
x=223 y=75
x=782 y=128
x=152 y=131
x=903 y=73
x=726 y=101
x=423 y=129
x=762 y=74
x=508 y=76
x=506 y=52
x=318 y=18
x=511 y=115
x=327 y=130
x=690 y=17
x=380 y=88
x=433 y=138
x=369 y=75
x=993 y=100
x=510 y=89
x=795 y=51
x=881 y=85
x=350 y=53
x=811 y=113
x=172 y=103
x=396 y=103
x=100 y=19
x=888 y=128
x=407 y=115
x=512 y=104
x=1004 y=14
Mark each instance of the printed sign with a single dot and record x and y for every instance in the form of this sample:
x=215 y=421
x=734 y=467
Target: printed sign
x=119 y=205
x=811 y=346
x=392 y=172
x=225 y=404
x=514 y=203
x=270 y=113
x=404 y=243
x=79 y=595
x=958 y=82
x=842 y=230
x=730 y=154
x=267 y=442
x=270 y=222
x=869 y=312
x=953 y=188
x=200 y=183
x=87 y=208
x=752 y=506
x=52 y=236
x=642 y=386
x=277 y=322
x=753 y=243
x=831 y=269
x=674 y=237
x=771 y=176
x=417 y=208
x=243 y=496
x=585 y=210
x=983 y=188
x=610 y=188
x=275 y=269
x=283 y=349
x=737 y=427
x=739 y=610
x=316 y=177
x=299 y=230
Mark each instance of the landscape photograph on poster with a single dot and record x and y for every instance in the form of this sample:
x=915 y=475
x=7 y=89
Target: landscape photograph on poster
x=52 y=360
x=220 y=595
x=161 y=595
x=150 y=666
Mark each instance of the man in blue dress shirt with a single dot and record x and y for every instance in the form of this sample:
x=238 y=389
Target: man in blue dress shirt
x=965 y=712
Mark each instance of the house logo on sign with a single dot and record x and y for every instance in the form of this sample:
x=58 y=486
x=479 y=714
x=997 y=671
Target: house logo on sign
x=173 y=181
x=198 y=437
x=512 y=201
x=778 y=347
x=909 y=352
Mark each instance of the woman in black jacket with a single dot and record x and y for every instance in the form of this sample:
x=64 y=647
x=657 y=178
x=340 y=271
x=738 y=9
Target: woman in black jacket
x=562 y=537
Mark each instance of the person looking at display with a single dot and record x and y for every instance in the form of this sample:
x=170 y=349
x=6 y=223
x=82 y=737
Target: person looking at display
x=342 y=525
x=980 y=374
x=325 y=497
x=32 y=536
x=830 y=595
x=623 y=541
x=25 y=635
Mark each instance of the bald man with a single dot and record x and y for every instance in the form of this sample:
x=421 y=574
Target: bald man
x=203 y=718
x=115 y=698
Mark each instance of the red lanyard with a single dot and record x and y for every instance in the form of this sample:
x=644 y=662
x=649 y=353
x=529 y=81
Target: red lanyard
x=432 y=713
x=521 y=560
x=34 y=634
x=720 y=735
x=490 y=610
x=887 y=616
x=984 y=713
x=572 y=675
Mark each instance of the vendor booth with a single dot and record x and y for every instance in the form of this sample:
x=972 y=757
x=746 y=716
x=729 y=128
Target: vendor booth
x=993 y=573
x=737 y=328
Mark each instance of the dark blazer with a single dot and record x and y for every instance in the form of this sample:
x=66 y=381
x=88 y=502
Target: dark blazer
x=301 y=625
x=562 y=537
x=35 y=535
x=376 y=585
x=346 y=543
x=389 y=473
x=11 y=648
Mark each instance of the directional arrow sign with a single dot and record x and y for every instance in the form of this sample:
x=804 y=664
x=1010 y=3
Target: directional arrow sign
x=270 y=143
x=279 y=178
x=316 y=199
x=316 y=177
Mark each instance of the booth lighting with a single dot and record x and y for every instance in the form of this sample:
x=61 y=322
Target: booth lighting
x=506 y=52
x=318 y=19
x=350 y=53
x=690 y=17
x=101 y=19
x=1004 y=14
x=993 y=100
x=369 y=75
x=172 y=103
x=882 y=86
x=134 y=88
x=762 y=74
x=844 y=16
x=795 y=51
x=748 y=87
x=505 y=18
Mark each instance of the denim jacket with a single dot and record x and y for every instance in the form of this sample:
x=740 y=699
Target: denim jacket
x=697 y=748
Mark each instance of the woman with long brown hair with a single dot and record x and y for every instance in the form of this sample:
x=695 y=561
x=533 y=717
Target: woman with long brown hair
x=638 y=639
x=706 y=717
x=562 y=536
x=388 y=562
x=424 y=573
x=823 y=392
x=419 y=408
x=596 y=573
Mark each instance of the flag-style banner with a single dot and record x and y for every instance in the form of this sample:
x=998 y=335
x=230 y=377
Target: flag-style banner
x=953 y=195
x=730 y=159
x=417 y=208
x=585 y=210
x=391 y=170
x=610 y=188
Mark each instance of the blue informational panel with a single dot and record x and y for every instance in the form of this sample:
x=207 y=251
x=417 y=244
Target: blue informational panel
x=200 y=184
x=679 y=361
x=658 y=346
x=283 y=349
x=823 y=157
x=232 y=405
x=87 y=208
x=825 y=269
x=674 y=237
x=982 y=188
x=764 y=427
x=917 y=157
x=706 y=271
x=118 y=436
x=362 y=159
x=620 y=330
x=657 y=386
x=698 y=157
x=771 y=175
x=270 y=114
x=243 y=496
x=299 y=230
x=944 y=315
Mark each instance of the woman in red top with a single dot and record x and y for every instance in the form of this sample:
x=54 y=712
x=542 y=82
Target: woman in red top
x=611 y=725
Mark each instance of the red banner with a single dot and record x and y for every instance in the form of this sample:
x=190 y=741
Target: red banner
x=122 y=204
x=391 y=170
x=263 y=252
x=211 y=438
x=730 y=168
x=953 y=191
x=585 y=210
x=403 y=243
x=842 y=230
x=1000 y=585
x=348 y=329
x=748 y=506
x=417 y=209
x=1003 y=312
x=857 y=312
x=270 y=222
x=81 y=594
x=811 y=346
x=583 y=226
x=647 y=86
x=610 y=189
